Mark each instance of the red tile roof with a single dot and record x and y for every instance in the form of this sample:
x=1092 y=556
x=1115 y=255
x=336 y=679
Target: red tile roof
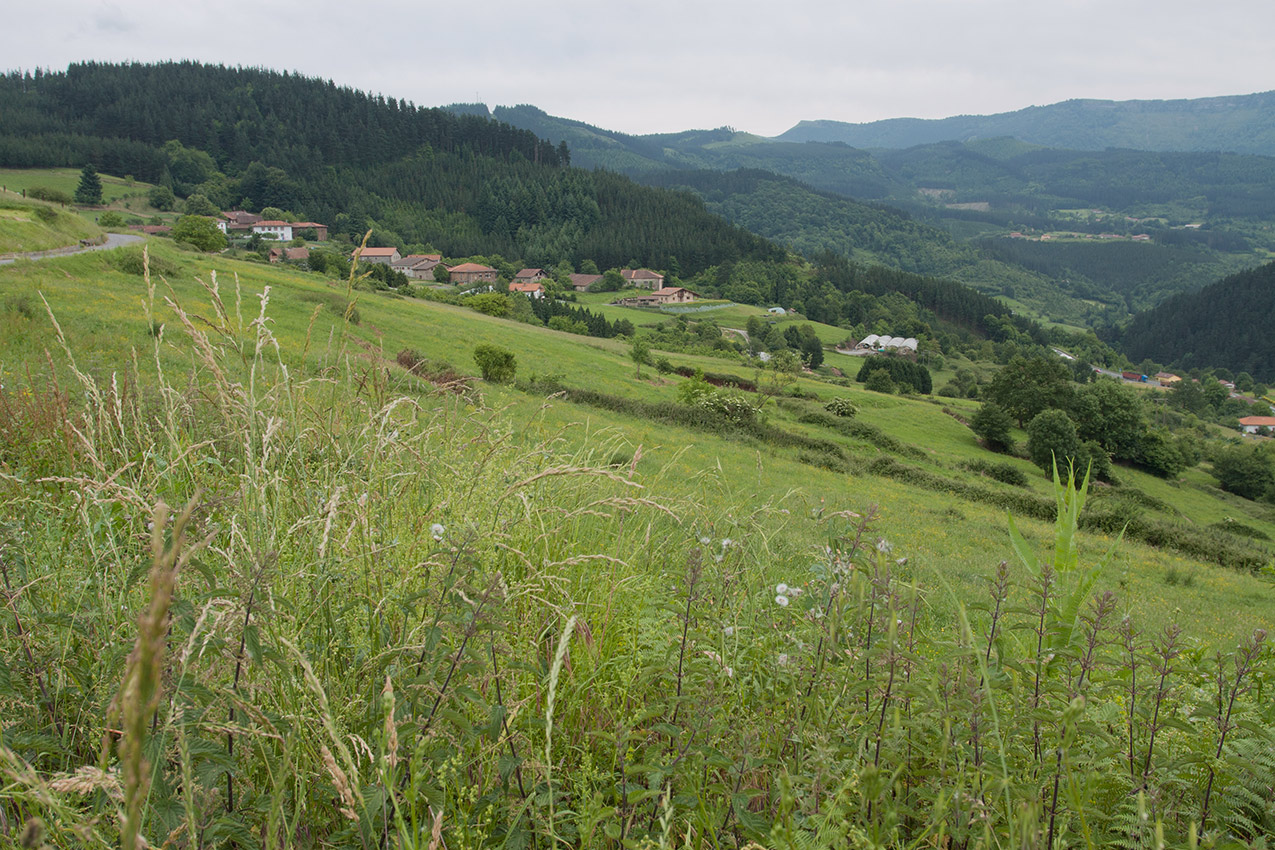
x=472 y=267
x=525 y=287
x=379 y=252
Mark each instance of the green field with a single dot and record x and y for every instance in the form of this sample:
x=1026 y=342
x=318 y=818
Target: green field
x=404 y=608
x=37 y=226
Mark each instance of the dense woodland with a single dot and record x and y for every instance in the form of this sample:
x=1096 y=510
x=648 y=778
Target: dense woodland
x=1227 y=324
x=255 y=138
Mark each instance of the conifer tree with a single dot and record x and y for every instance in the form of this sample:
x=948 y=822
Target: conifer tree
x=90 y=188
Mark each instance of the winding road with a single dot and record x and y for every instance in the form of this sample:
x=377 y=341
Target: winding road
x=113 y=240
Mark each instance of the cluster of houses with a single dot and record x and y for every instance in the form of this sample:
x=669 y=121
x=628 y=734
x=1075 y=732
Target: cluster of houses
x=423 y=266
x=240 y=223
x=529 y=281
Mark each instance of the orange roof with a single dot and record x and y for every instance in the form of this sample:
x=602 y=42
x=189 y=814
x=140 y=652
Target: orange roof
x=472 y=267
x=273 y=224
x=525 y=287
x=379 y=252
x=1268 y=421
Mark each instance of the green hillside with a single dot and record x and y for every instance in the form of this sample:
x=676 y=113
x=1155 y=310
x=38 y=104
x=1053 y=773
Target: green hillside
x=1206 y=214
x=38 y=226
x=1241 y=123
x=404 y=603
x=1226 y=324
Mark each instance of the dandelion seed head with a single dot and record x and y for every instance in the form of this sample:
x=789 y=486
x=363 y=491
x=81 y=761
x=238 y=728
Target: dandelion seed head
x=728 y=631
x=781 y=589
x=705 y=540
x=783 y=659
x=781 y=601
x=437 y=530
x=884 y=546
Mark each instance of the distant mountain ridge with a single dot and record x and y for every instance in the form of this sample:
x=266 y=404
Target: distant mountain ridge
x=1237 y=123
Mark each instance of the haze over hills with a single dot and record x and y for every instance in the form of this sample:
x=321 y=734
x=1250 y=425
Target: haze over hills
x=1202 y=215
x=1238 y=123
x=1085 y=238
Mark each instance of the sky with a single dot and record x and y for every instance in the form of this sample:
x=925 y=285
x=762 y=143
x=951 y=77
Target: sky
x=669 y=65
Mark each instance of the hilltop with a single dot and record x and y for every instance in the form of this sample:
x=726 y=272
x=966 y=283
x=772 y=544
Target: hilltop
x=1238 y=123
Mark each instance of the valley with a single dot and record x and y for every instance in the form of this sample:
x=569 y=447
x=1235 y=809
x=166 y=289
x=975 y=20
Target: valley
x=303 y=546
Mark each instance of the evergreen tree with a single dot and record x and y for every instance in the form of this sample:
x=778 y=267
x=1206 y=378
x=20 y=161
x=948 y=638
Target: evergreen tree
x=89 y=191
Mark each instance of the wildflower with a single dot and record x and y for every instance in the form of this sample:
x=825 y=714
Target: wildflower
x=728 y=631
x=781 y=589
x=783 y=659
x=705 y=540
x=781 y=601
x=726 y=542
x=437 y=530
x=883 y=546
x=902 y=562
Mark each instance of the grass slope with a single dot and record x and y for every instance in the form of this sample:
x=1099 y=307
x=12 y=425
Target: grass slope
x=396 y=615
x=305 y=313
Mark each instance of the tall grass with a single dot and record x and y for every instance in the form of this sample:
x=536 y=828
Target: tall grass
x=403 y=626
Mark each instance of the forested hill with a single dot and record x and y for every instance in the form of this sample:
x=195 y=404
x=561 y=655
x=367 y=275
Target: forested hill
x=1225 y=324
x=1241 y=123
x=463 y=184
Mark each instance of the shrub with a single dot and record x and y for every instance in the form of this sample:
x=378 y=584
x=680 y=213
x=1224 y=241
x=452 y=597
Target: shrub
x=901 y=371
x=489 y=303
x=1097 y=459
x=497 y=364
x=840 y=406
x=1051 y=438
x=731 y=406
x=111 y=218
x=879 y=382
x=200 y=232
x=132 y=262
x=992 y=425
x=46 y=214
x=54 y=196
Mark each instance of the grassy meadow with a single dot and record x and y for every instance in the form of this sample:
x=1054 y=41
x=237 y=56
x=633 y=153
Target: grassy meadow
x=265 y=586
x=37 y=226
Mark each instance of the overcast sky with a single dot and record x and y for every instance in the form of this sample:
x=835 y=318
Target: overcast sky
x=667 y=65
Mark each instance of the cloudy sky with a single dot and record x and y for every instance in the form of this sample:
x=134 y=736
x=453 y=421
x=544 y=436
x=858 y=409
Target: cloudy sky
x=667 y=65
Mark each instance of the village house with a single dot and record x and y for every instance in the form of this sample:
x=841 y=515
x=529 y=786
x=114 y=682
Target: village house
x=582 y=282
x=644 y=278
x=660 y=297
x=383 y=256
x=530 y=276
x=470 y=273
x=531 y=290
x=237 y=221
x=1167 y=379
x=418 y=266
x=320 y=230
x=280 y=230
x=1250 y=424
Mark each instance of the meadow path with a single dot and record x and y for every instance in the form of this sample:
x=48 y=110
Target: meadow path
x=113 y=240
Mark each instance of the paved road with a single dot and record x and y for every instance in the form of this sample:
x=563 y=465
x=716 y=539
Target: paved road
x=113 y=240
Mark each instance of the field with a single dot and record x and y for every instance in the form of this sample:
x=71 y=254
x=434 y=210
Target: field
x=407 y=606
x=37 y=226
